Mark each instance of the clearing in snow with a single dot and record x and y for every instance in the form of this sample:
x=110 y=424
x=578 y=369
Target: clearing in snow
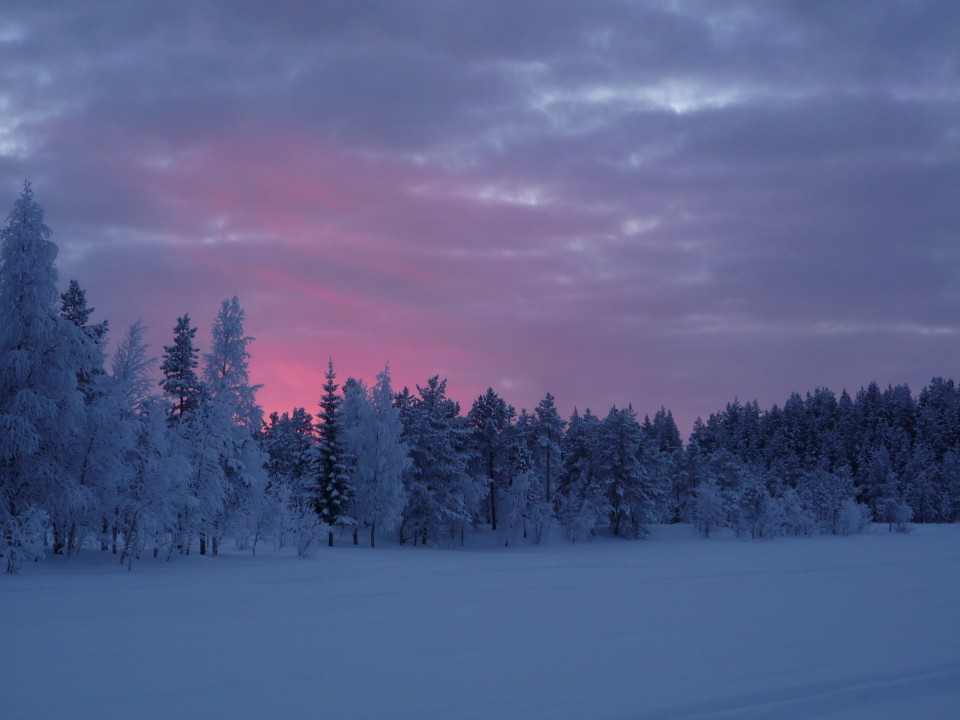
x=840 y=627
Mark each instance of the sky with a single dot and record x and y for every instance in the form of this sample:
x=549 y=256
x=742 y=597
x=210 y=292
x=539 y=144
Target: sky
x=657 y=203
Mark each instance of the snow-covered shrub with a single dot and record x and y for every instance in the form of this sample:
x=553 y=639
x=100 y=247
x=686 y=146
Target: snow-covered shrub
x=897 y=513
x=541 y=518
x=854 y=517
x=710 y=509
x=22 y=537
x=797 y=519
x=308 y=532
x=578 y=519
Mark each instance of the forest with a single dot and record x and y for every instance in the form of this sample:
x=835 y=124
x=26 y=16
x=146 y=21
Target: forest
x=146 y=456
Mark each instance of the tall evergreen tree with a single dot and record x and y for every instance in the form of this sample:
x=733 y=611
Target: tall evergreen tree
x=441 y=494
x=582 y=500
x=41 y=407
x=236 y=415
x=490 y=418
x=548 y=429
x=226 y=367
x=179 y=368
x=331 y=472
x=630 y=490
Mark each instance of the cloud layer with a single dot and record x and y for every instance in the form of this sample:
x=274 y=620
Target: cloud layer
x=666 y=203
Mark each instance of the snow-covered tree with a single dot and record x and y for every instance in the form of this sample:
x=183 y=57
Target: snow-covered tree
x=73 y=307
x=631 y=493
x=226 y=367
x=527 y=486
x=373 y=438
x=179 y=368
x=41 y=407
x=710 y=510
x=103 y=437
x=331 y=473
x=441 y=495
x=289 y=506
x=233 y=420
x=156 y=487
x=582 y=499
x=548 y=429
x=489 y=419
x=132 y=365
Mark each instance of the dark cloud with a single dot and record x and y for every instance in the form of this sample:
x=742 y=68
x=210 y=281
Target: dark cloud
x=659 y=203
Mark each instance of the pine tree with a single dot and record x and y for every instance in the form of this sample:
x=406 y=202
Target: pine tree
x=630 y=490
x=582 y=499
x=73 y=307
x=331 y=473
x=548 y=428
x=490 y=419
x=179 y=371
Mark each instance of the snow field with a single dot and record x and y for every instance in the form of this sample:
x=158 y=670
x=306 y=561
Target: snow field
x=863 y=626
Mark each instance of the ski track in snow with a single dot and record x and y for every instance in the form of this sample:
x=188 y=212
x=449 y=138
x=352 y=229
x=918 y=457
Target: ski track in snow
x=677 y=627
x=866 y=696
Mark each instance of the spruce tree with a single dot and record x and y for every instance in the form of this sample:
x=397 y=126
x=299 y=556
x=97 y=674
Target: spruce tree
x=331 y=473
x=226 y=367
x=490 y=419
x=73 y=307
x=582 y=500
x=629 y=489
x=236 y=419
x=41 y=407
x=441 y=494
x=179 y=367
x=548 y=429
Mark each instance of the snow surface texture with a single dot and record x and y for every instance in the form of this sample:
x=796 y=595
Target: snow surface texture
x=857 y=627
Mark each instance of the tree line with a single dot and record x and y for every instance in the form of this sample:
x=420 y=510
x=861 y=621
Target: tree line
x=106 y=457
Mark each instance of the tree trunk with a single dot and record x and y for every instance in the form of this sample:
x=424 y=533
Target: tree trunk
x=203 y=544
x=549 y=454
x=373 y=534
x=57 y=539
x=493 y=505
x=356 y=531
x=72 y=540
x=330 y=538
x=215 y=545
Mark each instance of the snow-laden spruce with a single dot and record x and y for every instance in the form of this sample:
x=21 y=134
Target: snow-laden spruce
x=43 y=416
x=377 y=456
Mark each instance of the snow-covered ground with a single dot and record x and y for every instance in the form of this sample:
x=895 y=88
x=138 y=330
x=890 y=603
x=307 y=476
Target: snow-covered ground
x=864 y=626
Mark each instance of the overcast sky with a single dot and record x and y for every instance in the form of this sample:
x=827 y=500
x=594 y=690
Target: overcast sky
x=660 y=203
